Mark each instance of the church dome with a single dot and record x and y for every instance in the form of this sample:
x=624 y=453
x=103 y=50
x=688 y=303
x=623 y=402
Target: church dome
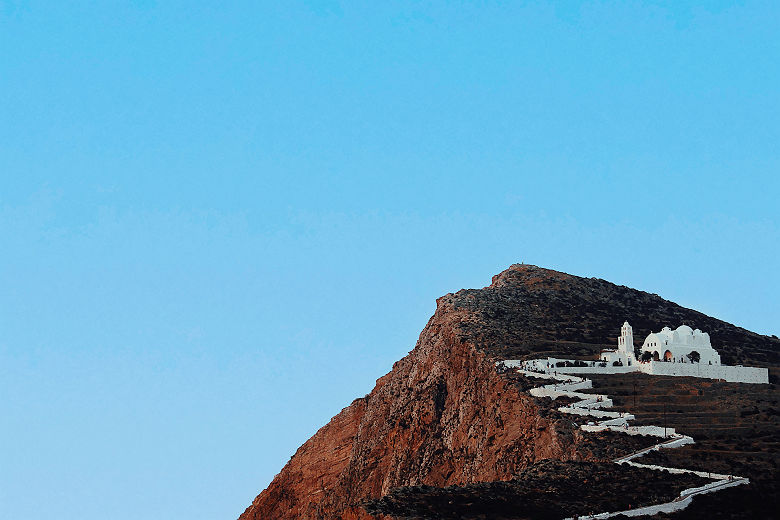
x=684 y=330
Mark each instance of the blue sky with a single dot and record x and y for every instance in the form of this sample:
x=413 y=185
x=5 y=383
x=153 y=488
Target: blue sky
x=220 y=224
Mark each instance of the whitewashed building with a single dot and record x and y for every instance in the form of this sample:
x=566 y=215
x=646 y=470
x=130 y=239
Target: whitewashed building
x=623 y=355
x=682 y=345
x=679 y=352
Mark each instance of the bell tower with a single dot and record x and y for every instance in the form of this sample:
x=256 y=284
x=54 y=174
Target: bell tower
x=626 y=339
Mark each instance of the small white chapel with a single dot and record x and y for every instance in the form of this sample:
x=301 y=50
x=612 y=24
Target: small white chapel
x=679 y=352
x=681 y=345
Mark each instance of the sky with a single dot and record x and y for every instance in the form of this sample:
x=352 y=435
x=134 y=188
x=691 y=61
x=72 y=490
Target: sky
x=221 y=222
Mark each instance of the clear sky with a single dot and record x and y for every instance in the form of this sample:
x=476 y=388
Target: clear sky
x=221 y=222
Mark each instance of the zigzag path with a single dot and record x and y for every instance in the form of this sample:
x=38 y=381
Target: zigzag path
x=593 y=406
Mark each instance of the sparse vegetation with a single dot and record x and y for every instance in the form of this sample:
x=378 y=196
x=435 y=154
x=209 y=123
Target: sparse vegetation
x=693 y=356
x=538 y=493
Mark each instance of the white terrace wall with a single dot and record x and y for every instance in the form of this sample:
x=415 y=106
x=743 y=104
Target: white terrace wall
x=735 y=374
x=609 y=369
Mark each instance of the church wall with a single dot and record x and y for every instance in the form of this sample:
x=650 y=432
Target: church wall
x=729 y=373
x=735 y=374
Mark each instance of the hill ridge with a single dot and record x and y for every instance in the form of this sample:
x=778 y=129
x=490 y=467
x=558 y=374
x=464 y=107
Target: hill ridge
x=443 y=416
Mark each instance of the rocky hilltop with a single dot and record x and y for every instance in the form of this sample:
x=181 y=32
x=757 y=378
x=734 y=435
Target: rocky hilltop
x=445 y=417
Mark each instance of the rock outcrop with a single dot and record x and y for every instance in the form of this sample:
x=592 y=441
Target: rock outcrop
x=444 y=416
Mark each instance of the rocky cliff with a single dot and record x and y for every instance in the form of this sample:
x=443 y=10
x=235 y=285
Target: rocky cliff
x=444 y=416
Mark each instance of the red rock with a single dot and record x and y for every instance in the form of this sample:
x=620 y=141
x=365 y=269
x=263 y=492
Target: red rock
x=442 y=416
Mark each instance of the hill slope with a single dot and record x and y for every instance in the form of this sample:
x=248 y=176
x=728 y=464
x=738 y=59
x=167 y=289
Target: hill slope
x=444 y=417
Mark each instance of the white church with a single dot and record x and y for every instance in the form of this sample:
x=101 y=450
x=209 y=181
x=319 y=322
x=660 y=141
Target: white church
x=679 y=352
x=682 y=345
x=678 y=345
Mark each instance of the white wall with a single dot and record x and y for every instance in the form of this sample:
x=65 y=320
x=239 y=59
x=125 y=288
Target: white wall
x=609 y=369
x=735 y=374
x=728 y=373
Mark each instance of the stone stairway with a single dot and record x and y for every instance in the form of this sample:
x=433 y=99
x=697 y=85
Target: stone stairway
x=566 y=385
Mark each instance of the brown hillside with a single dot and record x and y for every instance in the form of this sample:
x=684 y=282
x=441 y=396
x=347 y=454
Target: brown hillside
x=444 y=417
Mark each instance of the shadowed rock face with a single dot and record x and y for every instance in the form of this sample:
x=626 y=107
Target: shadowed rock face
x=443 y=416
x=528 y=495
x=530 y=310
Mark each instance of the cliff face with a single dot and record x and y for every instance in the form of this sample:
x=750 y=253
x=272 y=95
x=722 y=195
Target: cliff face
x=444 y=416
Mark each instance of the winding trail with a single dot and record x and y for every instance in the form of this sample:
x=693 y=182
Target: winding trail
x=592 y=405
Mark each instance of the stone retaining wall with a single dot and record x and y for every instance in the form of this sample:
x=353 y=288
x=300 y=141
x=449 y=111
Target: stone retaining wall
x=734 y=374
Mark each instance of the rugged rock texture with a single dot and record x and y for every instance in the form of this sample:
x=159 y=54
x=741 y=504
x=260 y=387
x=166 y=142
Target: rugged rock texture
x=444 y=416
